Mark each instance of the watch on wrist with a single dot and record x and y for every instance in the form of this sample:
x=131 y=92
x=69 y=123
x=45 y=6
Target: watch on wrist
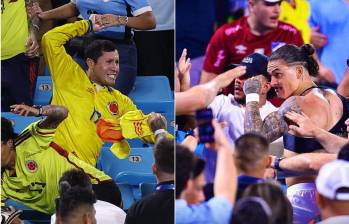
x=277 y=163
x=39 y=108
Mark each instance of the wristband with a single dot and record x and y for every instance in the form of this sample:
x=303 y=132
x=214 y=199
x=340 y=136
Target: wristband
x=277 y=163
x=252 y=97
x=38 y=107
x=90 y=26
x=159 y=131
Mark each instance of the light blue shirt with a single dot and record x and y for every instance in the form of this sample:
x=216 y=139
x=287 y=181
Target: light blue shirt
x=216 y=210
x=116 y=7
x=333 y=19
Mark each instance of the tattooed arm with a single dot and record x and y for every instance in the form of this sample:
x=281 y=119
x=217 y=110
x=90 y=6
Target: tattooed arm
x=34 y=26
x=274 y=125
x=55 y=114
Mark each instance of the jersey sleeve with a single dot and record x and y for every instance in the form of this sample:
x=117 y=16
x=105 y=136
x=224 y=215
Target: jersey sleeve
x=61 y=65
x=298 y=39
x=139 y=7
x=216 y=57
x=40 y=139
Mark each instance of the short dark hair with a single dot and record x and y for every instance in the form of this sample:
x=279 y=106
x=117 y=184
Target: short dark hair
x=251 y=210
x=75 y=191
x=96 y=48
x=272 y=194
x=250 y=148
x=7 y=131
x=344 y=153
x=164 y=155
x=291 y=53
x=184 y=167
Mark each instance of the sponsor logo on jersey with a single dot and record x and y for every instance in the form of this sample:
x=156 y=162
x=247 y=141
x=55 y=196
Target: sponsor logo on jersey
x=32 y=166
x=259 y=50
x=113 y=108
x=241 y=49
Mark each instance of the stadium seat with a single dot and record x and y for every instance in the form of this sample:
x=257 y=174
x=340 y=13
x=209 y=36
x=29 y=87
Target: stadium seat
x=153 y=94
x=29 y=215
x=19 y=122
x=126 y=195
x=140 y=160
x=147 y=188
x=43 y=90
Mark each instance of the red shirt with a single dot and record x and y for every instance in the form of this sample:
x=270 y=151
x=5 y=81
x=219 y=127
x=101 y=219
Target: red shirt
x=232 y=42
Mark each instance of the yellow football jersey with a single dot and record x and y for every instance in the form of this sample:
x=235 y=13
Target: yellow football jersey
x=39 y=168
x=73 y=89
x=14 y=28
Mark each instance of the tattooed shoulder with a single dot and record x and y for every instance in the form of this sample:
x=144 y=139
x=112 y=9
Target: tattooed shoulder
x=289 y=105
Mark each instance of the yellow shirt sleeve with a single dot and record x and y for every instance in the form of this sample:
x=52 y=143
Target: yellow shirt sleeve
x=60 y=63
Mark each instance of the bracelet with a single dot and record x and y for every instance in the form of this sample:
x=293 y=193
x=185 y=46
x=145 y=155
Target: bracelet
x=36 y=26
x=90 y=26
x=252 y=97
x=123 y=20
x=159 y=131
x=38 y=107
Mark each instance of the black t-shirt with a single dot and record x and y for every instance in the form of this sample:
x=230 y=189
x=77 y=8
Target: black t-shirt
x=157 y=207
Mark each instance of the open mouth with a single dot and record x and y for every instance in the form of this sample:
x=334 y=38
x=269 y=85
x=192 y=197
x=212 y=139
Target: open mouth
x=112 y=76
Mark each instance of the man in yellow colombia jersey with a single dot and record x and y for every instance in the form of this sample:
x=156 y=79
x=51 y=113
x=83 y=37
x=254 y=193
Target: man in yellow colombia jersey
x=31 y=167
x=89 y=95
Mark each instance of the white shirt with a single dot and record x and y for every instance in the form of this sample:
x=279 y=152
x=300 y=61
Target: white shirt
x=106 y=213
x=225 y=108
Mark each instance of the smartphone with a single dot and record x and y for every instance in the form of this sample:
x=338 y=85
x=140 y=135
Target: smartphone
x=204 y=120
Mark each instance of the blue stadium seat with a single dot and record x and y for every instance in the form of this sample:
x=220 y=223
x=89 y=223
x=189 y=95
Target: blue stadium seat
x=43 y=90
x=29 y=215
x=19 y=122
x=153 y=94
x=133 y=170
x=126 y=195
x=147 y=188
x=140 y=160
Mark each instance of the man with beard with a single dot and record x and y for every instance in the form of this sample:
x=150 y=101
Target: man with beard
x=231 y=108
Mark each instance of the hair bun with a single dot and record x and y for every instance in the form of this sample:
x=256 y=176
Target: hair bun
x=308 y=49
x=64 y=186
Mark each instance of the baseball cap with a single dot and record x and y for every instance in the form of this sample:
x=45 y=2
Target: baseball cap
x=256 y=64
x=333 y=176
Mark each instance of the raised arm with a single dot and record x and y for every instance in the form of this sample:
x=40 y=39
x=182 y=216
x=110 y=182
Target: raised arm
x=54 y=114
x=305 y=163
x=201 y=96
x=63 y=12
x=306 y=128
x=144 y=21
x=32 y=46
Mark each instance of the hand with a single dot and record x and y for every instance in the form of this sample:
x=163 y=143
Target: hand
x=184 y=66
x=305 y=128
x=110 y=20
x=97 y=22
x=24 y=110
x=32 y=46
x=316 y=38
x=227 y=77
x=326 y=74
x=220 y=140
x=252 y=85
x=156 y=121
x=34 y=10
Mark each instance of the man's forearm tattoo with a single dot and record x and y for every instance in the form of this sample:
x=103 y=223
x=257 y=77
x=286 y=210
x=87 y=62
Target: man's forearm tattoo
x=274 y=125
